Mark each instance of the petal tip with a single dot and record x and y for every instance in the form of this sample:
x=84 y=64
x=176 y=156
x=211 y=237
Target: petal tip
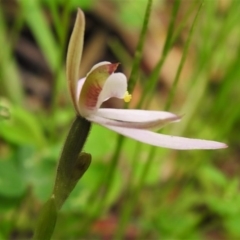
x=224 y=145
x=112 y=67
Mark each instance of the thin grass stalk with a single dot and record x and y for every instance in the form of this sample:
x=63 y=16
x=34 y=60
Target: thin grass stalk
x=131 y=85
x=133 y=198
x=130 y=193
x=183 y=59
x=37 y=23
x=200 y=83
x=129 y=206
x=226 y=29
x=107 y=182
x=183 y=23
x=150 y=85
x=11 y=86
x=53 y=6
x=129 y=202
x=58 y=74
x=139 y=51
x=126 y=212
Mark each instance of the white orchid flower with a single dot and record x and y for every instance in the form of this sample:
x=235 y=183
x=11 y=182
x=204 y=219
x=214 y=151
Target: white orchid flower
x=101 y=83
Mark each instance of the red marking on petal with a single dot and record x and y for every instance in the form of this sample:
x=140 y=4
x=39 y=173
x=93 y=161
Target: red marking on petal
x=112 y=67
x=92 y=96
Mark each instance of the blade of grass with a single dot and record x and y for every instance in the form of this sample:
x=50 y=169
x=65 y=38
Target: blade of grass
x=132 y=82
x=127 y=209
x=138 y=53
x=9 y=76
x=107 y=182
x=59 y=85
x=126 y=212
x=227 y=35
x=131 y=202
x=150 y=85
x=183 y=59
x=37 y=23
x=199 y=84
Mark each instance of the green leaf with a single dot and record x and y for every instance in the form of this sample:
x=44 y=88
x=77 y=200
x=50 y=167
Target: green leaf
x=12 y=183
x=4 y=113
x=97 y=147
x=22 y=128
x=40 y=174
x=232 y=224
x=84 y=4
x=211 y=175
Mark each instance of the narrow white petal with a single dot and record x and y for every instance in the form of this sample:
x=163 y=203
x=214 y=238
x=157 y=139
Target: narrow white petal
x=110 y=122
x=140 y=119
x=115 y=86
x=153 y=124
x=166 y=141
x=134 y=115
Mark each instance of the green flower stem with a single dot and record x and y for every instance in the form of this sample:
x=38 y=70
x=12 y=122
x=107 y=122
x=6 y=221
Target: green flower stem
x=72 y=165
x=46 y=220
x=66 y=181
x=69 y=167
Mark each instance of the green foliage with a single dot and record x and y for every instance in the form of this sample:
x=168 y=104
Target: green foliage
x=11 y=86
x=12 y=182
x=22 y=128
x=4 y=113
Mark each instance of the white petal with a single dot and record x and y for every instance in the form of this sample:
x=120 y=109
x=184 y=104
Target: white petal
x=128 y=118
x=166 y=141
x=115 y=86
x=152 y=124
x=97 y=65
x=93 y=86
x=134 y=115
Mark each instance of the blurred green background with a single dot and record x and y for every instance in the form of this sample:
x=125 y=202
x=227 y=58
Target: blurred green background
x=153 y=193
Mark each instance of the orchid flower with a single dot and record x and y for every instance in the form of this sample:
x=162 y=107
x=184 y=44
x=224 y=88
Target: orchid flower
x=102 y=83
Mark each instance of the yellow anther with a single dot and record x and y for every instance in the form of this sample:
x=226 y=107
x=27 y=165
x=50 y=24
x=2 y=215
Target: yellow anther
x=127 y=97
